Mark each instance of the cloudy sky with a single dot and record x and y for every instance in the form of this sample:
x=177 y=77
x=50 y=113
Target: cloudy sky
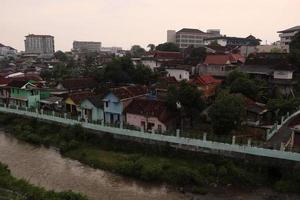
x=128 y=22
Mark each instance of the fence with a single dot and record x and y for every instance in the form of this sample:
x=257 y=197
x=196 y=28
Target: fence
x=175 y=139
x=284 y=119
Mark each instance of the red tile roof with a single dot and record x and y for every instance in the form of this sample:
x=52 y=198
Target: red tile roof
x=149 y=108
x=4 y=81
x=129 y=91
x=223 y=59
x=206 y=80
x=79 y=83
x=168 y=55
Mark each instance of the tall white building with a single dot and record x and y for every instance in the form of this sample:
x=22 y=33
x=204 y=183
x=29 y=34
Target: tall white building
x=286 y=36
x=86 y=46
x=39 y=44
x=187 y=36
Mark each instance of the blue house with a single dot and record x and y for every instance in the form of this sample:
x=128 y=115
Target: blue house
x=116 y=100
x=92 y=108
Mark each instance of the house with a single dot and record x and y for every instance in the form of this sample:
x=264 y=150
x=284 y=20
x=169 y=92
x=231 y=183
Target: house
x=73 y=100
x=164 y=83
x=245 y=46
x=77 y=84
x=52 y=103
x=238 y=41
x=220 y=65
x=117 y=99
x=4 y=91
x=156 y=59
x=207 y=84
x=22 y=93
x=92 y=108
x=283 y=78
x=148 y=115
x=180 y=72
x=256 y=112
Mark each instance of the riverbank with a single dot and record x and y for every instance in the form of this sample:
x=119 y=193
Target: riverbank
x=18 y=189
x=151 y=163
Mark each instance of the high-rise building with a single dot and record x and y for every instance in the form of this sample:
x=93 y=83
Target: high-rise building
x=188 y=36
x=39 y=44
x=86 y=46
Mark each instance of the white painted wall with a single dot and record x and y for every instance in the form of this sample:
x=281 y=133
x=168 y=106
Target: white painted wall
x=179 y=74
x=283 y=75
x=152 y=64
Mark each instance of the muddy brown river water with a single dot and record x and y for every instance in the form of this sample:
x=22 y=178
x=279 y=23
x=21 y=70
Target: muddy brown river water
x=45 y=167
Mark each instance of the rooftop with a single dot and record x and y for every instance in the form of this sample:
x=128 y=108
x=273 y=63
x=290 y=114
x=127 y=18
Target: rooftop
x=295 y=28
x=189 y=30
x=33 y=35
x=127 y=92
x=79 y=83
x=223 y=59
x=206 y=80
x=149 y=108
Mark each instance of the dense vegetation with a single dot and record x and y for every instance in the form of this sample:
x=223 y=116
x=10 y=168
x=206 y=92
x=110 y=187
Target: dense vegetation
x=158 y=163
x=17 y=189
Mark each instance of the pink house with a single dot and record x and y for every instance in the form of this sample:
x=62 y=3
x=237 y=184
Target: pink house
x=149 y=115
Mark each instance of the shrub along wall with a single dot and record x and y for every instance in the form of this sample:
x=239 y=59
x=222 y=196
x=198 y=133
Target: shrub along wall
x=156 y=163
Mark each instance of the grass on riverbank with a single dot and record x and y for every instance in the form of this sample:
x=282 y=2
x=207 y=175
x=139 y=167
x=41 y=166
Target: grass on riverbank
x=17 y=189
x=156 y=163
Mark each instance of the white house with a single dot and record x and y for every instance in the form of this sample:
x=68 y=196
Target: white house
x=181 y=72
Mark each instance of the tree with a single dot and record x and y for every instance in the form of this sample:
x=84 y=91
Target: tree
x=151 y=47
x=137 y=51
x=235 y=75
x=282 y=106
x=61 y=56
x=144 y=75
x=193 y=56
x=227 y=113
x=245 y=86
x=295 y=50
x=189 y=98
x=168 y=46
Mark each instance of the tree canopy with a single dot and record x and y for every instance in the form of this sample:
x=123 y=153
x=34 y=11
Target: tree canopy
x=194 y=55
x=168 y=46
x=122 y=70
x=189 y=97
x=245 y=86
x=151 y=47
x=295 y=50
x=227 y=113
x=137 y=51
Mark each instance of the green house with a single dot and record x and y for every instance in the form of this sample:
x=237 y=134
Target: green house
x=23 y=94
x=92 y=108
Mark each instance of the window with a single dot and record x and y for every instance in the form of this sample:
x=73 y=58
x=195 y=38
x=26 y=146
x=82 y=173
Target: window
x=180 y=77
x=106 y=104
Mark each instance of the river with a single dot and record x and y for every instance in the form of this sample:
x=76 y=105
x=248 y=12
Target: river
x=45 y=167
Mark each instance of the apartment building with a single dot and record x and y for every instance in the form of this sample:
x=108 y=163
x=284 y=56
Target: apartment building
x=7 y=51
x=39 y=44
x=86 y=46
x=188 y=36
x=286 y=36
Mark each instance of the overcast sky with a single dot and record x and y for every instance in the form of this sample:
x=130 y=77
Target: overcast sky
x=128 y=22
